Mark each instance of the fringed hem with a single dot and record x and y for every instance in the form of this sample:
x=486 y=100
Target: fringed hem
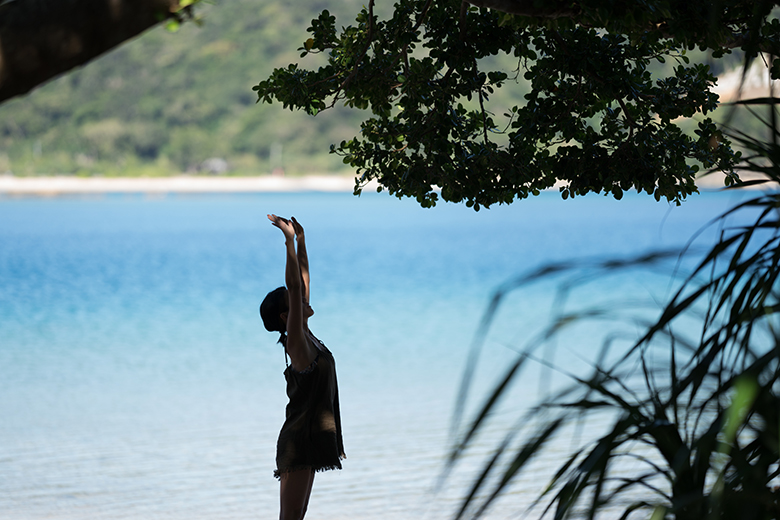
x=278 y=473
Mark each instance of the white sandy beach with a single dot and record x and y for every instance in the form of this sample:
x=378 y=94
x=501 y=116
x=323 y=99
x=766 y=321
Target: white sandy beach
x=65 y=185
x=52 y=186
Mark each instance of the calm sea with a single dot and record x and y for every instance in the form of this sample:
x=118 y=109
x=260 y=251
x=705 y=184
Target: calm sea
x=137 y=381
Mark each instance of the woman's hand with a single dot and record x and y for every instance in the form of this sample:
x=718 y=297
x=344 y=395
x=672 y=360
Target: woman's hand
x=287 y=227
x=303 y=258
x=298 y=229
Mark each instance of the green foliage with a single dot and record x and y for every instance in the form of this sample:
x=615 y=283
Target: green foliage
x=153 y=91
x=695 y=411
x=598 y=117
x=154 y=94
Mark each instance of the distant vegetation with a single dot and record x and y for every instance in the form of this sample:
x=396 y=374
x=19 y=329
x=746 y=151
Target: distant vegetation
x=168 y=102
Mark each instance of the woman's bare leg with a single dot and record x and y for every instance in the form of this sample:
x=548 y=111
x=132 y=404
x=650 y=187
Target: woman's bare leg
x=294 y=494
x=308 y=494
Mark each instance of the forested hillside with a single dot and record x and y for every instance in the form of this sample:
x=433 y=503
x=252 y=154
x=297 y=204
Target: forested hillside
x=168 y=102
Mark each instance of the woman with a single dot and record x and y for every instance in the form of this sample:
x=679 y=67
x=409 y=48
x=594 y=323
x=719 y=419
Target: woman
x=310 y=439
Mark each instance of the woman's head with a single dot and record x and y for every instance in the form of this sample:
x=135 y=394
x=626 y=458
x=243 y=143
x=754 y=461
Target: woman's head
x=274 y=305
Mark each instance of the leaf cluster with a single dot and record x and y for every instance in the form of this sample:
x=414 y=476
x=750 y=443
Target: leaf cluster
x=599 y=118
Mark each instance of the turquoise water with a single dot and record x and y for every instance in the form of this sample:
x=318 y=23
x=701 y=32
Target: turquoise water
x=136 y=380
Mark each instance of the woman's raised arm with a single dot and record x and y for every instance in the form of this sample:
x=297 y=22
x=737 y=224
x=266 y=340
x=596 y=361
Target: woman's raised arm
x=298 y=347
x=303 y=260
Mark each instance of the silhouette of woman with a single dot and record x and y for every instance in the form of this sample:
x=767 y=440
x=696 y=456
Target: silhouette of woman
x=310 y=439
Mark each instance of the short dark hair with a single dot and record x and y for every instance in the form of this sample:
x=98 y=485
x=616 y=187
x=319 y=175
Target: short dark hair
x=274 y=304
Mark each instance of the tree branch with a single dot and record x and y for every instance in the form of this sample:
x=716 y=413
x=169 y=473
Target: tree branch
x=484 y=117
x=40 y=39
x=369 y=38
x=464 y=9
x=740 y=40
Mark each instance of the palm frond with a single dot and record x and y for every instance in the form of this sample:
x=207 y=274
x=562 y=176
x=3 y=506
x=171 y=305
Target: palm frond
x=710 y=447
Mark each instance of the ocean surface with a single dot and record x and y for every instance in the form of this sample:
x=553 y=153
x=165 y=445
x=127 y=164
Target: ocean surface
x=137 y=381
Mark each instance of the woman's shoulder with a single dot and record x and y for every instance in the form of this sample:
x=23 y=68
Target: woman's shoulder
x=309 y=369
x=318 y=344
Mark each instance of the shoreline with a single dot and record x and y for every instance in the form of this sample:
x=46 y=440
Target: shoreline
x=52 y=186
x=63 y=185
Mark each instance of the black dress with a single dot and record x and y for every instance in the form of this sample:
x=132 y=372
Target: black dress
x=311 y=434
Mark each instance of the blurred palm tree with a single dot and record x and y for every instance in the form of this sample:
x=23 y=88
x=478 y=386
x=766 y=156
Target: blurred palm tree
x=704 y=408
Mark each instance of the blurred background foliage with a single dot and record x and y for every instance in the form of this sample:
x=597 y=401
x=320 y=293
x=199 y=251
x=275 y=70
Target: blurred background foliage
x=168 y=102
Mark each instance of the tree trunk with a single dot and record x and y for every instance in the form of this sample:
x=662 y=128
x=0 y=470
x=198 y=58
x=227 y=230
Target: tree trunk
x=40 y=39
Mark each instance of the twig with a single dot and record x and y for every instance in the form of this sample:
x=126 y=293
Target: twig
x=365 y=49
x=464 y=9
x=417 y=24
x=422 y=15
x=484 y=119
x=404 y=52
x=632 y=123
